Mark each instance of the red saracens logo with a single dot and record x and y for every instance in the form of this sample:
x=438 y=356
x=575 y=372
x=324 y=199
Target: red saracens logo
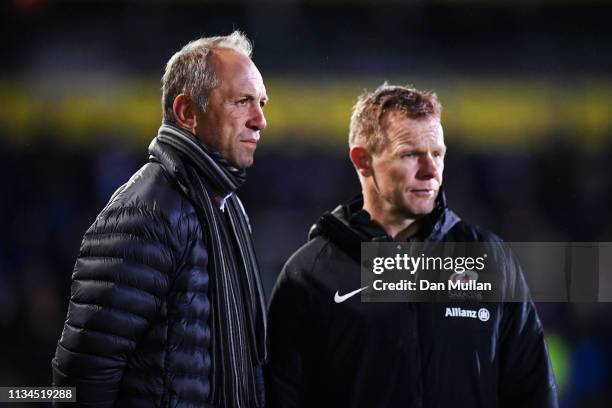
x=464 y=276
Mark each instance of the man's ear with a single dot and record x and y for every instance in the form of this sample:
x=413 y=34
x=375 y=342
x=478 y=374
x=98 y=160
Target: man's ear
x=362 y=160
x=185 y=112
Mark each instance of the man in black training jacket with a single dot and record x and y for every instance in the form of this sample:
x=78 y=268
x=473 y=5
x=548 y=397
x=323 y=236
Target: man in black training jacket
x=328 y=349
x=166 y=306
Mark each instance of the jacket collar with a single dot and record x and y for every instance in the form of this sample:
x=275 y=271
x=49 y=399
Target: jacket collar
x=349 y=225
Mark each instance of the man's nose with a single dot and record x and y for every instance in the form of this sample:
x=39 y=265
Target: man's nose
x=428 y=167
x=257 y=121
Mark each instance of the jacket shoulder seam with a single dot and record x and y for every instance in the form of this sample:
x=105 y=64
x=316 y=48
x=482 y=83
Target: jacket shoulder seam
x=319 y=254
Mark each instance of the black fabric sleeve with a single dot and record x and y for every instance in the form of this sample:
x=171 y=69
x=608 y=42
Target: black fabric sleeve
x=120 y=278
x=526 y=377
x=288 y=333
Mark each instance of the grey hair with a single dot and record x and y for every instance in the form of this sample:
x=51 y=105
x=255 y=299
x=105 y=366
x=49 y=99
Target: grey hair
x=371 y=107
x=189 y=71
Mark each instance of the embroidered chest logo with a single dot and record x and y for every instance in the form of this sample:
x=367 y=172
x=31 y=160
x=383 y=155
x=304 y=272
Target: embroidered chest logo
x=482 y=314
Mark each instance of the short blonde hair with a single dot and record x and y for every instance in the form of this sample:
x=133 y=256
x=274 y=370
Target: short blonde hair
x=188 y=71
x=371 y=107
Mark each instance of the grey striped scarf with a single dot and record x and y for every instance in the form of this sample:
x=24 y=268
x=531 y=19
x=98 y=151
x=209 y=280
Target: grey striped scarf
x=238 y=345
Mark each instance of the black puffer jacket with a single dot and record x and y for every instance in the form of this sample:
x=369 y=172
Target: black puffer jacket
x=341 y=354
x=137 y=332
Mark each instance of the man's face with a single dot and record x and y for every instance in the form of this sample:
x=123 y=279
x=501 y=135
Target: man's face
x=408 y=169
x=234 y=115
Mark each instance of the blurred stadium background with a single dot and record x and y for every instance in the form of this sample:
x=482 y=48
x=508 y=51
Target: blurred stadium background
x=527 y=94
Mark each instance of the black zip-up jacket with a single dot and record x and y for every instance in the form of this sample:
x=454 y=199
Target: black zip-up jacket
x=368 y=355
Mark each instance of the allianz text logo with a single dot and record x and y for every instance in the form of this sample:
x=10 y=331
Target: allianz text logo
x=482 y=314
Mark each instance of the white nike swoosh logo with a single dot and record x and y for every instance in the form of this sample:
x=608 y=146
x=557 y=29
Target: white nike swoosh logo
x=340 y=299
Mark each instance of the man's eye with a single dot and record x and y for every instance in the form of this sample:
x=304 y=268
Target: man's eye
x=243 y=101
x=408 y=155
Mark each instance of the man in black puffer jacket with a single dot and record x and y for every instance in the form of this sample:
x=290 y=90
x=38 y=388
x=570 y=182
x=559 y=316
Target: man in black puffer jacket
x=166 y=306
x=329 y=349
